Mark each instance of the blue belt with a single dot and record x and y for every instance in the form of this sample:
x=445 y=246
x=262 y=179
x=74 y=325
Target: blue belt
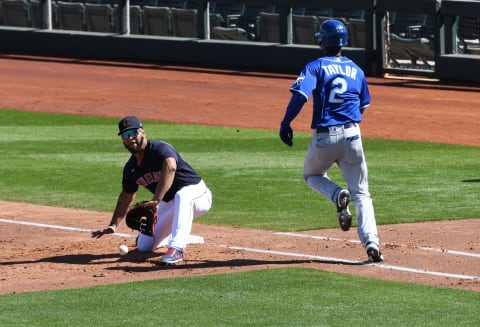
x=327 y=129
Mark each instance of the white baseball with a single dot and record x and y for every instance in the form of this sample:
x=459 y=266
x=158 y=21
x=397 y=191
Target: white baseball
x=123 y=249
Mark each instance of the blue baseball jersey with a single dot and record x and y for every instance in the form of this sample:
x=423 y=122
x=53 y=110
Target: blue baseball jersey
x=150 y=170
x=339 y=89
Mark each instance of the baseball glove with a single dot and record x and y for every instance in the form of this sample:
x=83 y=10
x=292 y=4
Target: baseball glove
x=142 y=218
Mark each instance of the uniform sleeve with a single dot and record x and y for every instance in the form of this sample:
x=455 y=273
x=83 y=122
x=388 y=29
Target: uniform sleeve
x=364 y=96
x=129 y=184
x=306 y=82
x=293 y=108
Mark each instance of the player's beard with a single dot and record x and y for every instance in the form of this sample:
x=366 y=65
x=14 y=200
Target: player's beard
x=137 y=148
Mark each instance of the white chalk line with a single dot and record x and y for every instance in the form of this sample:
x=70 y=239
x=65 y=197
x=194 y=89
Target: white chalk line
x=364 y=263
x=423 y=248
x=192 y=239
x=290 y=254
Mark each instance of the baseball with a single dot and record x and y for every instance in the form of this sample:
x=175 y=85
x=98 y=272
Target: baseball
x=123 y=249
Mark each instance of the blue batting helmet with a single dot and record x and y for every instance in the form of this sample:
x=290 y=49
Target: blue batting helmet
x=333 y=33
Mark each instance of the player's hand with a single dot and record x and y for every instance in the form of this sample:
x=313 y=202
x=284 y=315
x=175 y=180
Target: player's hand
x=286 y=134
x=151 y=203
x=100 y=233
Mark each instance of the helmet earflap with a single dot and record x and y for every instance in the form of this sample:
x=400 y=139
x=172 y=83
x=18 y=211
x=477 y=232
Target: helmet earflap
x=333 y=33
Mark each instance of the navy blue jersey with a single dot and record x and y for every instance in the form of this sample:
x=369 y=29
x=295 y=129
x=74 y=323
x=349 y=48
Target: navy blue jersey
x=150 y=170
x=339 y=88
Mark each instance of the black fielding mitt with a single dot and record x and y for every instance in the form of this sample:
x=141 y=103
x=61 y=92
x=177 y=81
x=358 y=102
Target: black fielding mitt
x=142 y=218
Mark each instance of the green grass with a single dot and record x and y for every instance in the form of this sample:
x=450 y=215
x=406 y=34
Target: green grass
x=76 y=161
x=276 y=297
x=257 y=182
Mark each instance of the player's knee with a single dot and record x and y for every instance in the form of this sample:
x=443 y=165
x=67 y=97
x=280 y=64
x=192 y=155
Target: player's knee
x=144 y=243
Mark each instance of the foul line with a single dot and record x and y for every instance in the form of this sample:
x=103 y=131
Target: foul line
x=363 y=263
x=325 y=238
x=29 y=223
x=190 y=240
x=289 y=254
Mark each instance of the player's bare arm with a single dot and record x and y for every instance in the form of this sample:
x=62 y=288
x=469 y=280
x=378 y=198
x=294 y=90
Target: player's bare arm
x=124 y=202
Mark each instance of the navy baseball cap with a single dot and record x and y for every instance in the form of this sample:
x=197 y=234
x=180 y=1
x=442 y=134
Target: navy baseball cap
x=129 y=122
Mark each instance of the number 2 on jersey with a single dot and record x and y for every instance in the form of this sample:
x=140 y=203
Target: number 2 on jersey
x=339 y=86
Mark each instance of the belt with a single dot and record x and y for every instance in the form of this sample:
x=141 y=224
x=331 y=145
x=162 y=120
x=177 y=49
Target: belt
x=327 y=129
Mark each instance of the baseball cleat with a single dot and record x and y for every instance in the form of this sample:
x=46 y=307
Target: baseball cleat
x=343 y=213
x=172 y=256
x=374 y=253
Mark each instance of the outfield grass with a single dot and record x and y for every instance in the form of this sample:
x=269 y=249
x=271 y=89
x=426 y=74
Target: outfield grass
x=76 y=161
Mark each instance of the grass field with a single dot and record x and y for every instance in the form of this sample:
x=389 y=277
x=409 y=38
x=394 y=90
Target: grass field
x=76 y=161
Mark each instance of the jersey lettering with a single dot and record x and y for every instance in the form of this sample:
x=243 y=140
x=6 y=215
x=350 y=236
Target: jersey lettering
x=149 y=178
x=339 y=86
x=345 y=70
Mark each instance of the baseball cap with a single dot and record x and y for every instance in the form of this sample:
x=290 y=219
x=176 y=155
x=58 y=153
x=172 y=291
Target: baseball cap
x=129 y=122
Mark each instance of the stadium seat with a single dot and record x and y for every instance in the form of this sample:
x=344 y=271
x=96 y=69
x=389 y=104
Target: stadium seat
x=229 y=33
x=156 y=21
x=304 y=29
x=15 y=13
x=268 y=27
x=184 y=22
x=136 y=20
x=71 y=16
x=356 y=33
x=100 y=18
x=36 y=14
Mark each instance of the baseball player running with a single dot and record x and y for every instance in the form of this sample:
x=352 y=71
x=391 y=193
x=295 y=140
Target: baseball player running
x=179 y=193
x=340 y=96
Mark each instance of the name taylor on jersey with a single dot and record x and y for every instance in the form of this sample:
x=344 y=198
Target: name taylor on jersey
x=335 y=69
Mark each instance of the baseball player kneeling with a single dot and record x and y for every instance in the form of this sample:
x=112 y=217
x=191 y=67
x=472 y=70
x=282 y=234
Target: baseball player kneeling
x=179 y=193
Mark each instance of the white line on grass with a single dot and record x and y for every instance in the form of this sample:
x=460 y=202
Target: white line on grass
x=197 y=239
x=326 y=238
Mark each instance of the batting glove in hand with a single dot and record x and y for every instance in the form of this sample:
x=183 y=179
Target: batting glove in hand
x=286 y=134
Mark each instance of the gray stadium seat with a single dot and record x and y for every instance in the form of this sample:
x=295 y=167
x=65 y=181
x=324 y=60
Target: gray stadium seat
x=356 y=33
x=14 y=13
x=100 y=18
x=268 y=28
x=71 y=16
x=184 y=22
x=156 y=21
x=229 y=33
x=304 y=29
x=136 y=20
x=36 y=14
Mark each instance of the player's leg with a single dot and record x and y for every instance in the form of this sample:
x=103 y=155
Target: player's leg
x=354 y=170
x=163 y=228
x=319 y=159
x=190 y=202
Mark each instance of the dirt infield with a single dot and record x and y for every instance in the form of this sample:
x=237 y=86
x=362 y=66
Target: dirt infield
x=50 y=248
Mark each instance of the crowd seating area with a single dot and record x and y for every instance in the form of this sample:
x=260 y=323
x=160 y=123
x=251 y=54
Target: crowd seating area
x=410 y=35
x=179 y=18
